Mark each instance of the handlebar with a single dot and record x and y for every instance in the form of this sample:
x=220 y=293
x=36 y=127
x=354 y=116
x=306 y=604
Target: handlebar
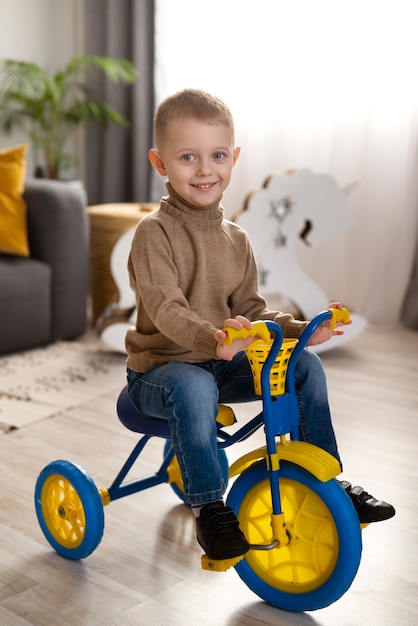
x=260 y=329
x=339 y=315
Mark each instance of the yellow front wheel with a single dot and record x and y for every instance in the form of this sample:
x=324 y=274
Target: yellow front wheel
x=69 y=509
x=321 y=559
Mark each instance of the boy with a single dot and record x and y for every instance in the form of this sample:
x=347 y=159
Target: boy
x=194 y=273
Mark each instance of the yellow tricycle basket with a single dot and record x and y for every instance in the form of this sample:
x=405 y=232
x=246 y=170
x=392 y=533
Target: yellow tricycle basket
x=257 y=354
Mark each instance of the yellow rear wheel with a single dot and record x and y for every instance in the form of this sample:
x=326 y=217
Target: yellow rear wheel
x=69 y=509
x=63 y=511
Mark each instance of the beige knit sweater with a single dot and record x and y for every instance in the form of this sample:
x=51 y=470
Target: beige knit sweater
x=191 y=269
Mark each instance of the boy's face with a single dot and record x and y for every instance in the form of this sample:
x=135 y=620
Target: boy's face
x=197 y=158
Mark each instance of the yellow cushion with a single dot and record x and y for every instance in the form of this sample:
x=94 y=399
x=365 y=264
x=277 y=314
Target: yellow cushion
x=13 y=227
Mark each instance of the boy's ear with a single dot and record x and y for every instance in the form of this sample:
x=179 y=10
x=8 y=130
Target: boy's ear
x=156 y=161
x=236 y=155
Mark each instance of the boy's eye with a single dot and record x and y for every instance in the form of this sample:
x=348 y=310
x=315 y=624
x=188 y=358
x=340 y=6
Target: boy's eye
x=188 y=157
x=218 y=155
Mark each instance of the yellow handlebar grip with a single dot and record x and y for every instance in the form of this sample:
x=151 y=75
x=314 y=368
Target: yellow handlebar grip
x=258 y=329
x=339 y=315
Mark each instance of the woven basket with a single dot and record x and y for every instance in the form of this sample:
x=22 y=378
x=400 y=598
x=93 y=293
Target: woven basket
x=257 y=354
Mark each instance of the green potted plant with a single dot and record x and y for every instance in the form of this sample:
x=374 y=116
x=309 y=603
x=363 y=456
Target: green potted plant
x=48 y=107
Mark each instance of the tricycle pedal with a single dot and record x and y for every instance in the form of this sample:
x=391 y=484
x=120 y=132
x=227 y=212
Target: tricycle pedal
x=219 y=565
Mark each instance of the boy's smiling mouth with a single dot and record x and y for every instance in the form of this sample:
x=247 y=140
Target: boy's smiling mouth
x=204 y=186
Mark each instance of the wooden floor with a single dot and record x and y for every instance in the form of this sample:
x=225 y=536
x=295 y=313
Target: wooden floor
x=147 y=568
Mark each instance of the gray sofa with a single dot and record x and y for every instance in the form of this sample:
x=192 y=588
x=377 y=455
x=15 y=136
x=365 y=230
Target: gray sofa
x=44 y=297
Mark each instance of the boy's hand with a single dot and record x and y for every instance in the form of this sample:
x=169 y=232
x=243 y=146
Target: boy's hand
x=324 y=332
x=228 y=352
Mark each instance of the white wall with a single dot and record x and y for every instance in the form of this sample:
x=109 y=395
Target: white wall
x=329 y=86
x=47 y=32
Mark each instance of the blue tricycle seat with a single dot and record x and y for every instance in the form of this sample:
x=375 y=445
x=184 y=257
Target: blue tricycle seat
x=139 y=422
x=156 y=426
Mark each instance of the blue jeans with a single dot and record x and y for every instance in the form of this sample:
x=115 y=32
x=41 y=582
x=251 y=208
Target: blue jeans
x=187 y=395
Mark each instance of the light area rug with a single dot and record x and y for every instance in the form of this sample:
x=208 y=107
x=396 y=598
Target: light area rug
x=44 y=382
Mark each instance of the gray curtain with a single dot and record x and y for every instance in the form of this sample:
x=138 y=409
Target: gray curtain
x=117 y=166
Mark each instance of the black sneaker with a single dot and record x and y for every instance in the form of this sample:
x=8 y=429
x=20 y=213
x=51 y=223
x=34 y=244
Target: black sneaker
x=218 y=532
x=368 y=508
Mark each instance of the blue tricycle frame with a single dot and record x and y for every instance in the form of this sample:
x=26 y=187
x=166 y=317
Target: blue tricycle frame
x=304 y=533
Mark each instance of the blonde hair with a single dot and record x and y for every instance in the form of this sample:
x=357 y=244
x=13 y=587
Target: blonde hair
x=191 y=103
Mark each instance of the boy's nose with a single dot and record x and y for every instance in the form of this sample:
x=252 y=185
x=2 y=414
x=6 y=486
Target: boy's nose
x=203 y=168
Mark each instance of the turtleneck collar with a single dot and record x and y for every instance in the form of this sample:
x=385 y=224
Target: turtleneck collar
x=207 y=218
